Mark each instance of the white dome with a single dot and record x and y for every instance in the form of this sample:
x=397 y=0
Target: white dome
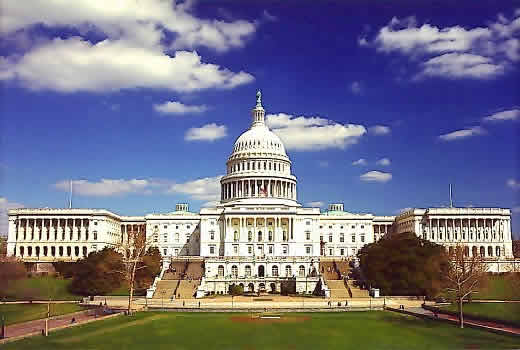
x=259 y=139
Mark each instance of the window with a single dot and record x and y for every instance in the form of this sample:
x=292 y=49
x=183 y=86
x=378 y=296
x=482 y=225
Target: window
x=330 y=252
x=288 y=271
x=353 y=238
x=275 y=271
x=249 y=249
x=212 y=235
x=362 y=226
x=250 y=236
x=330 y=238
x=176 y=236
x=166 y=226
x=235 y=249
x=341 y=227
x=95 y=235
x=342 y=251
x=301 y=271
x=259 y=236
x=353 y=226
x=95 y=223
x=221 y=271
x=271 y=249
x=270 y=235
x=165 y=251
x=285 y=249
x=308 y=250
x=236 y=237
x=307 y=235
x=188 y=227
x=330 y=226
x=84 y=251
x=307 y=223
x=165 y=237
x=234 y=271
x=362 y=238
x=342 y=237
x=176 y=227
x=248 y=271
x=212 y=249
x=284 y=234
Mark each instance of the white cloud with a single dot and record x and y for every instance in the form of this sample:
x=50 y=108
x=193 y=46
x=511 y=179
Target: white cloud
x=206 y=189
x=360 y=161
x=317 y=204
x=462 y=134
x=383 y=162
x=399 y=211
x=269 y=17
x=376 y=176
x=515 y=185
x=512 y=114
x=452 y=52
x=210 y=204
x=174 y=107
x=76 y=65
x=141 y=22
x=356 y=88
x=208 y=132
x=105 y=187
x=379 y=130
x=5 y=205
x=457 y=65
x=313 y=133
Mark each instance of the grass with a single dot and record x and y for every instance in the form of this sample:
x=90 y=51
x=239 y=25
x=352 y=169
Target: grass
x=16 y=313
x=39 y=288
x=509 y=312
x=499 y=287
x=352 y=330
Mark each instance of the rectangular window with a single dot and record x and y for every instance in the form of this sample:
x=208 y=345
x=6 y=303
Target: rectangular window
x=249 y=249
x=353 y=238
x=165 y=237
x=307 y=223
x=342 y=251
x=353 y=226
x=308 y=250
x=330 y=252
x=362 y=226
x=165 y=226
x=212 y=249
x=212 y=235
x=307 y=235
x=271 y=249
x=342 y=237
x=165 y=251
x=285 y=249
x=362 y=238
x=330 y=238
x=235 y=249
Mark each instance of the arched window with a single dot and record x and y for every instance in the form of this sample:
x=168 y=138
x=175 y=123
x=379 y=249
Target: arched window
x=301 y=271
x=53 y=251
x=69 y=251
x=275 y=271
x=234 y=271
x=250 y=236
x=497 y=251
x=474 y=251
x=248 y=271
x=288 y=271
x=490 y=251
x=482 y=251
x=220 y=271
x=284 y=233
x=270 y=235
x=76 y=251
x=236 y=236
x=84 y=251
x=22 y=251
x=60 y=251
x=29 y=251
x=259 y=236
x=466 y=251
x=37 y=251
x=45 y=251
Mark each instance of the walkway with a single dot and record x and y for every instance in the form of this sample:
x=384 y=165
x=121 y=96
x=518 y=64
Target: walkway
x=36 y=326
x=493 y=326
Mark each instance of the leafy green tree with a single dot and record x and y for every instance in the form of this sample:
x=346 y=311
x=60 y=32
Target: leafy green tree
x=404 y=264
x=97 y=273
x=236 y=289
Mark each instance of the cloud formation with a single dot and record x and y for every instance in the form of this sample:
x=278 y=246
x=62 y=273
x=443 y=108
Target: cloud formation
x=514 y=184
x=376 y=176
x=313 y=133
x=383 y=162
x=360 y=161
x=135 y=50
x=174 y=107
x=356 y=88
x=452 y=52
x=105 y=187
x=379 y=130
x=208 y=132
x=316 y=204
x=206 y=189
x=512 y=114
x=5 y=205
x=462 y=134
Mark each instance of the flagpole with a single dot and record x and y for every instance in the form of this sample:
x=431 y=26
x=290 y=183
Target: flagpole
x=451 y=201
x=70 y=195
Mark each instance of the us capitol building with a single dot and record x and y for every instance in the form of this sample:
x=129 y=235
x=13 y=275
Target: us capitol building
x=258 y=233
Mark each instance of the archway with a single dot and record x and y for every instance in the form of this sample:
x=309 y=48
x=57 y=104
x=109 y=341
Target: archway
x=261 y=287
x=273 y=287
x=251 y=287
x=261 y=271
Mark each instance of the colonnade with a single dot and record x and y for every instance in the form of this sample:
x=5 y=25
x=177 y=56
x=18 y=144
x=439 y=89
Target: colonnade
x=465 y=229
x=258 y=188
x=54 y=229
x=259 y=229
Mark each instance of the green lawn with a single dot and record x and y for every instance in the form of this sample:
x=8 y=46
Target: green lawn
x=499 y=288
x=351 y=330
x=39 y=288
x=16 y=313
x=509 y=312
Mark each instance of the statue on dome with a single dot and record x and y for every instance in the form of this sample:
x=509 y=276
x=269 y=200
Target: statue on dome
x=258 y=98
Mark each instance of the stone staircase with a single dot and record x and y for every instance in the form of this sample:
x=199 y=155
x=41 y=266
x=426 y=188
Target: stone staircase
x=180 y=280
x=187 y=289
x=165 y=289
x=338 y=289
x=356 y=291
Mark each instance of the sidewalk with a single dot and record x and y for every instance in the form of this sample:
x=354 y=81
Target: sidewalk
x=20 y=330
x=491 y=326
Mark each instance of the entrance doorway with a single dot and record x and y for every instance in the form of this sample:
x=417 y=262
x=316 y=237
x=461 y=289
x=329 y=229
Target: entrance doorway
x=261 y=271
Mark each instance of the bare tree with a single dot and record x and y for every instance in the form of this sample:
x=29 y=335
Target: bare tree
x=465 y=276
x=132 y=249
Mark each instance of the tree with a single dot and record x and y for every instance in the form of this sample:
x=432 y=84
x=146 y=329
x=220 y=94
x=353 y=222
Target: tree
x=516 y=248
x=151 y=264
x=132 y=251
x=97 y=273
x=3 y=246
x=11 y=269
x=404 y=264
x=236 y=289
x=465 y=276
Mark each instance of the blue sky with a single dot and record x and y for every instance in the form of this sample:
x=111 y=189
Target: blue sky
x=380 y=106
